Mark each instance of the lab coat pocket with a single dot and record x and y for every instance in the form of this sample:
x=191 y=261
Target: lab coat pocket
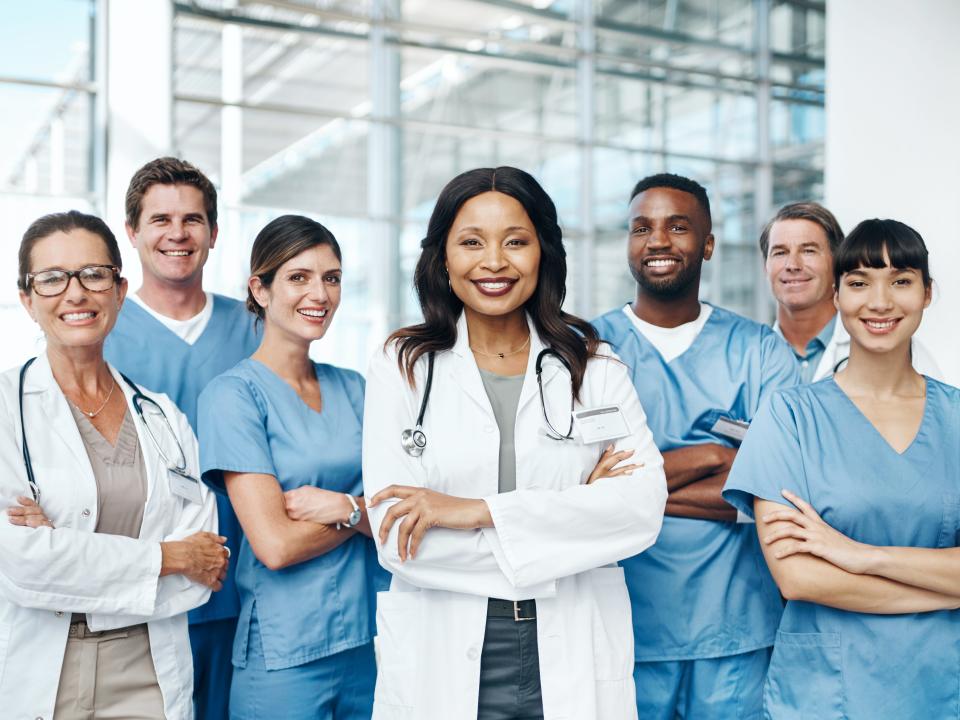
x=805 y=678
x=612 y=624
x=398 y=632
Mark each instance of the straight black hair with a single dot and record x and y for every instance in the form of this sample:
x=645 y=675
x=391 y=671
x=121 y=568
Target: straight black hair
x=572 y=338
x=867 y=243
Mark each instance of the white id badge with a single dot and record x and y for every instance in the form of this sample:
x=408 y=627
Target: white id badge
x=184 y=485
x=735 y=430
x=601 y=423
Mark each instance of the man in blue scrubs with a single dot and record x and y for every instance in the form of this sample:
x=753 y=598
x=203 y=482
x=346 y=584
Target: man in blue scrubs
x=705 y=609
x=172 y=337
x=798 y=246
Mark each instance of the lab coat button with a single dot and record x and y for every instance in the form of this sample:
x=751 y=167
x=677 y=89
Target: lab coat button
x=473 y=653
x=59 y=613
x=86 y=512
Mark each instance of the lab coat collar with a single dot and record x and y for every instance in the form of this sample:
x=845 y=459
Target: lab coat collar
x=54 y=404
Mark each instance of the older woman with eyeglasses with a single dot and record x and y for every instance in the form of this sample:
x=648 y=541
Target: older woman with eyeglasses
x=110 y=537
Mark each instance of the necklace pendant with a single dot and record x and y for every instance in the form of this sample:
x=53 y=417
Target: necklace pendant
x=500 y=355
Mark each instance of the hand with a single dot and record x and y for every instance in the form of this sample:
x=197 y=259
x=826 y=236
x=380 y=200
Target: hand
x=29 y=515
x=317 y=505
x=201 y=557
x=808 y=533
x=422 y=509
x=605 y=467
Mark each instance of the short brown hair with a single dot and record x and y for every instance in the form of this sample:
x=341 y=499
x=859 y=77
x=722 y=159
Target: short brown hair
x=63 y=222
x=812 y=211
x=168 y=171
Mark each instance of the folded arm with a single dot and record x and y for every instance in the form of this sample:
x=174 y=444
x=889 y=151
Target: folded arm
x=701 y=500
x=277 y=540
x=695 y=478
x=802 y=575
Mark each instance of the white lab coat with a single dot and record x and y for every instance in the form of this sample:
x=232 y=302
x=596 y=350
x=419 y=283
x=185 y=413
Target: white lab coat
x=47 y=574
x=554 y=540
x=838 y=349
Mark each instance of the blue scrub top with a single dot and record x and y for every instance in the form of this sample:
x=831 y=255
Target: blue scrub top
x=830 y=663
x=703 y=589
x=252 y=421
x=152 y=355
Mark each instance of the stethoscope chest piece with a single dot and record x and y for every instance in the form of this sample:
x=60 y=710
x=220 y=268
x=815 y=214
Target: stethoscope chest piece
x=414 y=441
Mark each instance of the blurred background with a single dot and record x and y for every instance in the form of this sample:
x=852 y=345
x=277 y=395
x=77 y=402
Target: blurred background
x=357 y=113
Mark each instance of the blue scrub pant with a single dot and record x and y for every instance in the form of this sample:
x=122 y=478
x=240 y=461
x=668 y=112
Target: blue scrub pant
x=212 y=646
x=336 y=687
x=728 y=687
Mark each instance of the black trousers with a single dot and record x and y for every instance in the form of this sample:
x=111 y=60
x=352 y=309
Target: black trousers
x=510 y=671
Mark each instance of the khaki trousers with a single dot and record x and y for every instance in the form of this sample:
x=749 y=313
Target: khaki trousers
x=108 y=675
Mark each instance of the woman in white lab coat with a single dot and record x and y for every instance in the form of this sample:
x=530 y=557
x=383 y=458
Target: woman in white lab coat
x=502 y=533
x=103 y=550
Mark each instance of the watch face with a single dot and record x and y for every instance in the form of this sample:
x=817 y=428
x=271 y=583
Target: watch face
x=354 y=517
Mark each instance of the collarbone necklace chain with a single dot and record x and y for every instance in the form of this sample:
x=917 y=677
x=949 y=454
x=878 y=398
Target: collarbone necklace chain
x=93 y=413
x=502 y=355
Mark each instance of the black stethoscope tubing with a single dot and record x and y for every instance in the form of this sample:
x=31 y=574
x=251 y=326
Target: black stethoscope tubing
x=138 y=399
x=414 y=440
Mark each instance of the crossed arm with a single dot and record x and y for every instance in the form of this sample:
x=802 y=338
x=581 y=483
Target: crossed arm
x=695 y=476
x=812 y=562
x=289 y=528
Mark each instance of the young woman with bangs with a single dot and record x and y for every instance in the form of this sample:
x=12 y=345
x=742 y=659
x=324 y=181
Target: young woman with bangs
x=499 y=517
x=867 y=464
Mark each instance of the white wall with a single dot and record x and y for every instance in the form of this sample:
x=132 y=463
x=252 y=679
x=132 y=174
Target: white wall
x=893 y=137
x=139 y=99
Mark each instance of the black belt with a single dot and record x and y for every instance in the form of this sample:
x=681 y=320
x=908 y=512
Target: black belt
x=518 y=610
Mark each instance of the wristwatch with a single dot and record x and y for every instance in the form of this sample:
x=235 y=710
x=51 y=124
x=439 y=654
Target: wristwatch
x=354 y=518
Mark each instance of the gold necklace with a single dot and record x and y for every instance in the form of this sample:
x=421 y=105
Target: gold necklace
x=500 y=354
x=96 y=412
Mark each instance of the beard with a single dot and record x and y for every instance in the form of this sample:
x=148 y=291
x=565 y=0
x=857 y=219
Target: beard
x=668 y=287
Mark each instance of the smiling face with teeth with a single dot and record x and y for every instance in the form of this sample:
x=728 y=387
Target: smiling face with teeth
x=302 y=298
x=493 y=255
x=173 y=236
x=882 y=308
x=669 y=240
x=77 y=318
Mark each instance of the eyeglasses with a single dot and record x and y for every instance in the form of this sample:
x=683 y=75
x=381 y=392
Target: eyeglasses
x=95 y=278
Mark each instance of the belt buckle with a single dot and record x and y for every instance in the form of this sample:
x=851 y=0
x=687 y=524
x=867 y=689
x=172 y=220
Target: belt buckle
x=516 y=613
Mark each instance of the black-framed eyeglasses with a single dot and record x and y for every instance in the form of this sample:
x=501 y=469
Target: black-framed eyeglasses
x=95 y=278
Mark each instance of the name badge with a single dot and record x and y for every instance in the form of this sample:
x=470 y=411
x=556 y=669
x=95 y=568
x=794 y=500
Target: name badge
x=602 y=423
x=184 y=485
x=735 y=430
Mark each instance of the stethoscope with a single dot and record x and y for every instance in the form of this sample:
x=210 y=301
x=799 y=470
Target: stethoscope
x=139 y=401
x=414 y=440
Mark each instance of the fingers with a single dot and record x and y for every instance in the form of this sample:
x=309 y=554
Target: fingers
x=791 y=548
x=416 y=535
x=788 y=530
x=392 y=491
x=27 y=502
x=28 y=516
x=801 y=504
x=403 y=535
x=623 y=470
x=788 y=515
x=392 y=515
